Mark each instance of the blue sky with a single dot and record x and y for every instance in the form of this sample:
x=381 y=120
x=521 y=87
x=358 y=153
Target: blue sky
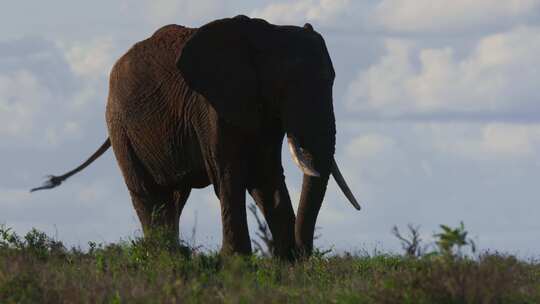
x=437 y=109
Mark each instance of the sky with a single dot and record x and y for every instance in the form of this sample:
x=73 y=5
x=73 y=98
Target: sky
x=437 y=108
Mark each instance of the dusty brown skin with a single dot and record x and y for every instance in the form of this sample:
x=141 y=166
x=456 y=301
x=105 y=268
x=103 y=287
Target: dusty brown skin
x=192 y=107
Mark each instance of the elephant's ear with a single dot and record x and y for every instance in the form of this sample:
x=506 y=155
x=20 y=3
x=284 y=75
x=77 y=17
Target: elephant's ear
x=217 y=62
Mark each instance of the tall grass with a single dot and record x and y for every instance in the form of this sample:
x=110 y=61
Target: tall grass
x=38 y=269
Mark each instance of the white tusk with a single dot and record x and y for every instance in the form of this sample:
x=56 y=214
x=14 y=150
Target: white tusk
x=343 y=184
x=299 y=159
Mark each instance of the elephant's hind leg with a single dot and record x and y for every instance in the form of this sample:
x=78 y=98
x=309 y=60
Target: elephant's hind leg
x=158 y=214
x=157 y=207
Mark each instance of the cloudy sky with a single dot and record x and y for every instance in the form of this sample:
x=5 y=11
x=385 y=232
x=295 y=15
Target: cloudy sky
x=437 y=106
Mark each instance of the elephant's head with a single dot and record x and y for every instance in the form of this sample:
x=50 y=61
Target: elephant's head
x=242 y=65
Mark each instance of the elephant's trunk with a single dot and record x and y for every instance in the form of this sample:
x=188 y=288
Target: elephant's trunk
x=317 y=169
x=313 y=190
x=312 y=139
x=313 y=155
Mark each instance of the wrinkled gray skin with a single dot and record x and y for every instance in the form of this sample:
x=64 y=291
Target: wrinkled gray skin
x=192 y=107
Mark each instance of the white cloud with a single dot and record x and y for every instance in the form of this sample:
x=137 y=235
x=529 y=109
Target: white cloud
x=499 y=75
x=22 y=97
x=93 y=192
x=161 y=12
x=488 y=142
x=47 y=89
x=368 y=146
x=163 y=9
x=332 y=214
x=381 y=85
x=439 y=15
x=372 y=157
x=10 y=197
x=300 y=11
x=24 y=102
x=91 y=59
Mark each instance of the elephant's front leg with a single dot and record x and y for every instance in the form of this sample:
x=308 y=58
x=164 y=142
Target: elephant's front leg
x=232 y=195
x=273 y=199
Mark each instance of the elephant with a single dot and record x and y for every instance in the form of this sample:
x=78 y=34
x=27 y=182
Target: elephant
x=193 y=107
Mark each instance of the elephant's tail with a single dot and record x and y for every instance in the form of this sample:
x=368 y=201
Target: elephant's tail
x=54 y=181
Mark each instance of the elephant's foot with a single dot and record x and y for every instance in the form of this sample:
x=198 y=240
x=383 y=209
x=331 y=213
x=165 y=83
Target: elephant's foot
x=230 y=251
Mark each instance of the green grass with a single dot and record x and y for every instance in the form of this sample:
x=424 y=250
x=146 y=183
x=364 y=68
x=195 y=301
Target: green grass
x=38 y=269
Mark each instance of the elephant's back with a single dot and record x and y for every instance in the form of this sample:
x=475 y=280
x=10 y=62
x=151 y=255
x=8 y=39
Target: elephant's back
x=167 y=42
x=149 y=66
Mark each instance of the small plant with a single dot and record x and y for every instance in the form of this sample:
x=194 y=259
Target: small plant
x=451 y=240
x=157 y=241
x=41 y=244
x=34 y=242
x=320 y=253
x=9 y=239
x=411 y=243
x=263 y=232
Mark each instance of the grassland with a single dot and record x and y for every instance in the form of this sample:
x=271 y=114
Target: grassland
x=37 y=269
